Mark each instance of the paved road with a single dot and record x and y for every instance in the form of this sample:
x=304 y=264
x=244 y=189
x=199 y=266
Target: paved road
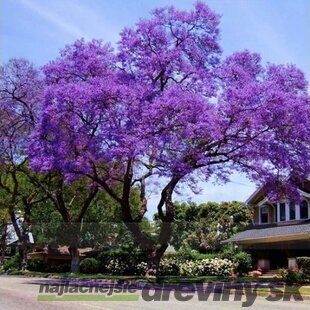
x=21 y=293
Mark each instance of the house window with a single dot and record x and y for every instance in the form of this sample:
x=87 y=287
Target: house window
x=304 y=210
x=292 y=211
x=282 y=211
x=264 y=215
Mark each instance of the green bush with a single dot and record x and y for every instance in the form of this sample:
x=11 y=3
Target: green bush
x=243 y=263
x=294 y=277
x=228 y=253
x=206 y=267
x=120 y=262
x=89 y=265
x=12 y=263
x=170 y=266
x=37 y=265
x=303 y=263
x=188 y=255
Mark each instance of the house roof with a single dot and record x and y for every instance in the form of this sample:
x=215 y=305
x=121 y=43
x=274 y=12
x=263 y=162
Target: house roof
x=259 y=193
x=60 y=251
x=273 y=232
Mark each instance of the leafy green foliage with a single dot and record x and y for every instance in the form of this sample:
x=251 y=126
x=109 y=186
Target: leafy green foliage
x=203 y=227
x=292 y=276
x=119 y=261
x=243 y=263
x=89 y=265
x=12 y=263
x=303 y=263
x=42 y=266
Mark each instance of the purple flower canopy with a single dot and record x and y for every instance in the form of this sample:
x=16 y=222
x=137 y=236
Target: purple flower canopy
x=167 y=103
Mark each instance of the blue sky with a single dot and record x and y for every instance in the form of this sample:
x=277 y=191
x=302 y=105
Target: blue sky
x=278 y=29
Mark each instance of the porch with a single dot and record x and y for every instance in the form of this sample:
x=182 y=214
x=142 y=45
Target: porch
x=274 y=246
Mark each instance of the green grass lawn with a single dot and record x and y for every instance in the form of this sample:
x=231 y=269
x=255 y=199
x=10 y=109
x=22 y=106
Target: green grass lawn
x=162 y=279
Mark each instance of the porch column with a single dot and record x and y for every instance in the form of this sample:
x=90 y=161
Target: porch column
x=264 y=263
x=297 y=209
x=292 y=264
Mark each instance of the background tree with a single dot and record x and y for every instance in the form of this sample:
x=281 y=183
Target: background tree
x=102 y=224
x=4 y=234
x=21 y=98
x=203 y=227
x=167 y=107
x=21 y=95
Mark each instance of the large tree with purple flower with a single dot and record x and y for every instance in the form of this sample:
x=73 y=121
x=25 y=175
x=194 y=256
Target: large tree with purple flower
x=166 y=106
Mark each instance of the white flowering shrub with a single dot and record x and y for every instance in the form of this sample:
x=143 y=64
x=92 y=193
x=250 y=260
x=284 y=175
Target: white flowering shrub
x=117 y=266
x=207 y=267
x=124 y=263
x=169 y=266
x=141 y=268
x=189 y=268
x=215 y=267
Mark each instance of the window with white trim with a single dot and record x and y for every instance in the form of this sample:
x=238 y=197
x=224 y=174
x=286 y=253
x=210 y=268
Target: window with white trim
x=304 y=211
x=292 y=211
x=264 y=215
x=282 y=211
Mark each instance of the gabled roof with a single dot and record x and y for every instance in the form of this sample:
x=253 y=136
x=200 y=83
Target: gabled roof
x=259 y=193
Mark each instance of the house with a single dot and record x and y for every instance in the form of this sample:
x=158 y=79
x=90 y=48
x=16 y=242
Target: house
x=56 y=255
x=12 y=244
x=280 y=231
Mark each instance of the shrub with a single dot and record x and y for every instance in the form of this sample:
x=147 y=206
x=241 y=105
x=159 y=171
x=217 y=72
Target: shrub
x=12 y=263
x=58 y=268
x=303 y=263
x=37 y=265
x=183 y=256
x=207 y=267
x=228 y=252
x=215 y=267
x=243 y=263
x=141 y=269
x=169 y=266
x=89 y=265
x=292 y=276
x=188 y=268
x=119 y=262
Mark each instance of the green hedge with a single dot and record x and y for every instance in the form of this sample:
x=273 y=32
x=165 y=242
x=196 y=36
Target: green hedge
x=42 y=266
x=12 y=263
x=303 y=263
x=187 y=255
x=120 y=262
x=89 y=265
x=243 y=263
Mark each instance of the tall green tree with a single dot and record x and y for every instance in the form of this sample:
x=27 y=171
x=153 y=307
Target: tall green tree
x=203 y=227
x=4 y=219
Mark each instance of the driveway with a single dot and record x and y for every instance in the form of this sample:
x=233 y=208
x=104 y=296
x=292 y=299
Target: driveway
x=22 y=293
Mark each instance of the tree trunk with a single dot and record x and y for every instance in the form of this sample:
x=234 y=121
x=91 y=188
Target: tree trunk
x=23 y=260
x=152 y=264
x=73 y=233
x=22 y=240
x=75 y=259
x=153 y=261
x=3 y=242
